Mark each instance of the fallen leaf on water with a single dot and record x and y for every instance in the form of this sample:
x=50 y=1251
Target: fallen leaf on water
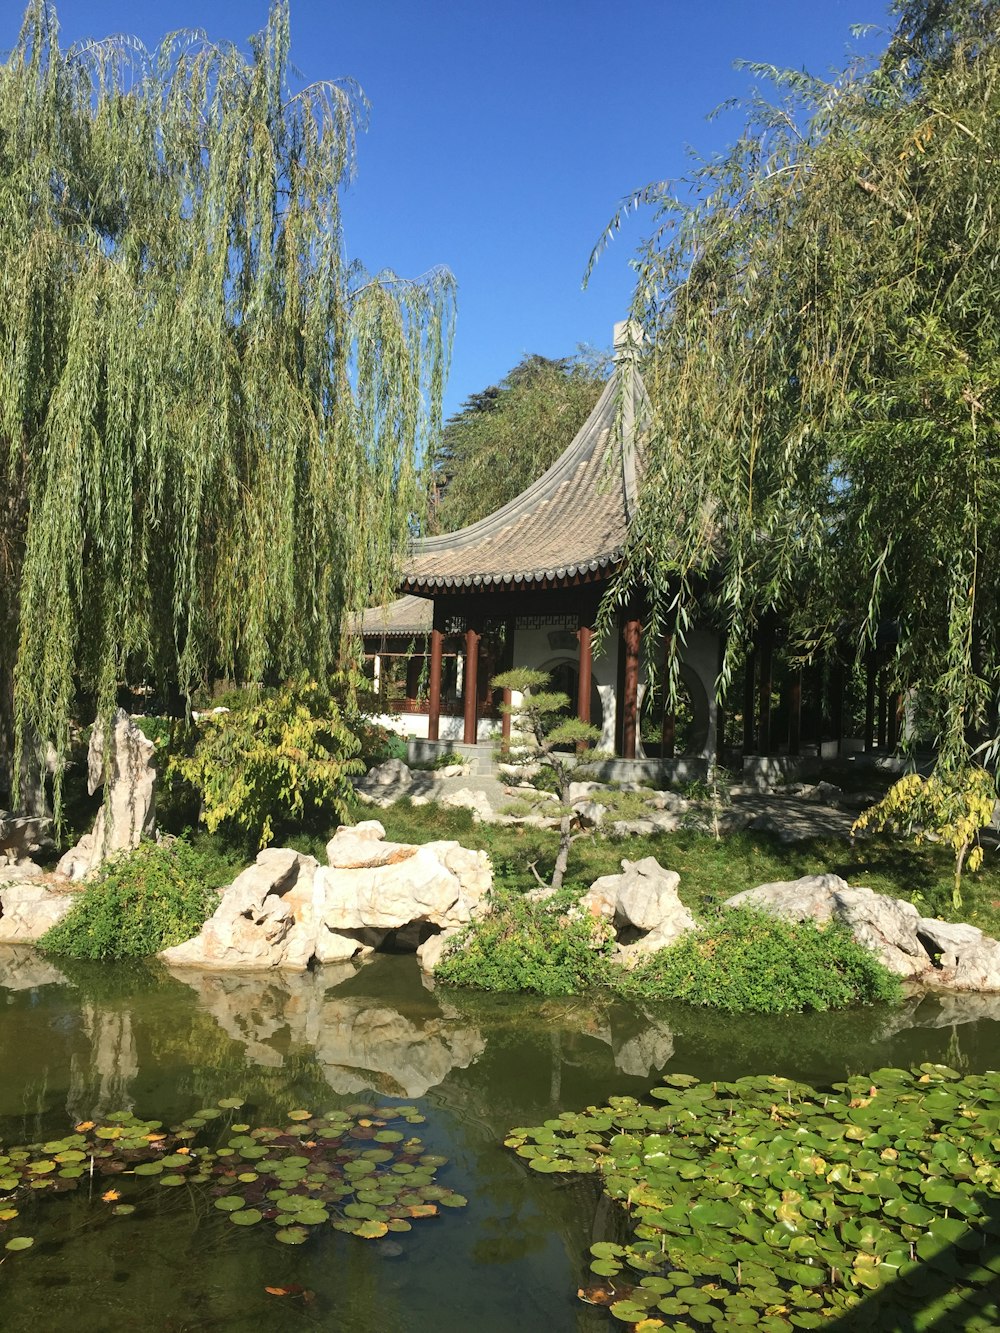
x=110 y=1196
x=183 y=1151
x=84 y=1125
x=278 y=1291
x=154 y=1138
x=598 y=1295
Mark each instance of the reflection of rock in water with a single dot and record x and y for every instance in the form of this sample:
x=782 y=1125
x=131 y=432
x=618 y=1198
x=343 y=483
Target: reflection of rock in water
x=25 y=968
x=101 y=1083
x=359 y=1041
x=646 y=1052
x=942 y=1011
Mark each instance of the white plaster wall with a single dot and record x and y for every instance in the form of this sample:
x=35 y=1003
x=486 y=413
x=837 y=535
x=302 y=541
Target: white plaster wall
x=533 y=649
x=699 y=668
x=449 y=728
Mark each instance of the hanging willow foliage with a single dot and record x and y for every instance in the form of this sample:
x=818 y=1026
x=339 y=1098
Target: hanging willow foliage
x=822 y=354
x=209 y=418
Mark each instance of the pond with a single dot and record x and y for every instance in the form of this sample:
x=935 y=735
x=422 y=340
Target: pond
x=78 y=1043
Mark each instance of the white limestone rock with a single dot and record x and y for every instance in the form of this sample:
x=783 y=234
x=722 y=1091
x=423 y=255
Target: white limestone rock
x=808 y=898
x=129 y=810
x=265 y=918
x=29 y=909
x=467 y=799
x=642 y=898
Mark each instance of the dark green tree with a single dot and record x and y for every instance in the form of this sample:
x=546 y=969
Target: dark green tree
x=505 y=437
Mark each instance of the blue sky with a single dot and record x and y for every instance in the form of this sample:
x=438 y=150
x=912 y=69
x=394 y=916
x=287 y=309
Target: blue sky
x=503 y=135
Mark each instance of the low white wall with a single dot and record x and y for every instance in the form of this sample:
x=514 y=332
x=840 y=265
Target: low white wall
x=449 y=728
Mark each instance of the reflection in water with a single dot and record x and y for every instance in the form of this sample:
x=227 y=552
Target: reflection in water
x=359 y=1042
x=91 y=1038
x=100 y=1080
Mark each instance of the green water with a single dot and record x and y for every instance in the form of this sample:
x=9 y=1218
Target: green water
x=80 y=1042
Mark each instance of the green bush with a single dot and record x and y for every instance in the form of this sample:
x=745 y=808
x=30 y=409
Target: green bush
x=282 y=756
x=143 y=901
x=528 y=946
x=744 y=960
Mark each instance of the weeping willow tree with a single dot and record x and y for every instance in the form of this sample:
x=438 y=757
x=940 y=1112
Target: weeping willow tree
x=822 y=353
x=209 y=417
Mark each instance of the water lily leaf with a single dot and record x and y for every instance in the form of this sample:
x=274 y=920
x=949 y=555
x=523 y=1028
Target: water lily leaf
x=19 y=1243
x=246 y=1217
x=300 y=1115
x=173 y=1180
x=231 y=1103
x=148 y=1169
x=370 y=1230
x=229 y=1203
x=123 y=1209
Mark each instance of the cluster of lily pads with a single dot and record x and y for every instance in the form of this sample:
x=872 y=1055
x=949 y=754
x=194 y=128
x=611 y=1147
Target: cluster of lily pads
x=355 y=1169
x=765 y=1202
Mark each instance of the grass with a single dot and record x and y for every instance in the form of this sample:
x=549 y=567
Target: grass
x=712 y=871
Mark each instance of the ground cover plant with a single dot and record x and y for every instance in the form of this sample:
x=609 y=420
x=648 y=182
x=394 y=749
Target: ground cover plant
x=359 y=1170
x=745 y=961
x=712 y=871
x=527 y=945
x=156 y=896
x=766 y=1203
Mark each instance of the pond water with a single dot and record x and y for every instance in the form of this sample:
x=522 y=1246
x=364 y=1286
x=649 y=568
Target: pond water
x=80 y=1042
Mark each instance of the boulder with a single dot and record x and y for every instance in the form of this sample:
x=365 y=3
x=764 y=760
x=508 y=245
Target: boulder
x=286 y=911
x=29 y=909
x=129 y=810
x=20 y=835
x=886 y=925
x=467 y=799
x=255 y=924
x=938 y=954
x=642 y=898
x=808 y=898
x=591 y=814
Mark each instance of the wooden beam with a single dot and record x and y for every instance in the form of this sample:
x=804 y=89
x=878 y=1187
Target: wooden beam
x=749 y=687
x=870 y=700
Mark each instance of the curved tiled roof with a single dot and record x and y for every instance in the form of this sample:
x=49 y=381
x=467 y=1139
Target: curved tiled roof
x=407 y=617
x=569 y=524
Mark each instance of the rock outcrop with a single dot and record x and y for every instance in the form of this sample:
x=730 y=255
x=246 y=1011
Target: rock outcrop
x=933 y=953
x=28 y=909
x=129 y=810
x=286 y=910
x=642 y=905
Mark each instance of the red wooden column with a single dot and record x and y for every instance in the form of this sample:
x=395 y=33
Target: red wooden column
x=585 y=634
x=471 y=685
x=434 y=685
x=630 y=699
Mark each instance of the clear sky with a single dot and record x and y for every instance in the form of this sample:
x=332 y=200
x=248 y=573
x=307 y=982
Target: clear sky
x=503 y=134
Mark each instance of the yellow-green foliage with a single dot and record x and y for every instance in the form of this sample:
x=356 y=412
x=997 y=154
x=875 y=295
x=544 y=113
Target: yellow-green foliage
x=953 y=805
x=281 y=752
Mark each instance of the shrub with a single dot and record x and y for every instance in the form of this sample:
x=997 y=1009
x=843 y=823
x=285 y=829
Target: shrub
x=281 y=755
x=744 y=960
x=523 y=945
x=143 y=901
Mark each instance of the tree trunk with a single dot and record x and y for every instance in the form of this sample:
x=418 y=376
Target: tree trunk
x=562 y=859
